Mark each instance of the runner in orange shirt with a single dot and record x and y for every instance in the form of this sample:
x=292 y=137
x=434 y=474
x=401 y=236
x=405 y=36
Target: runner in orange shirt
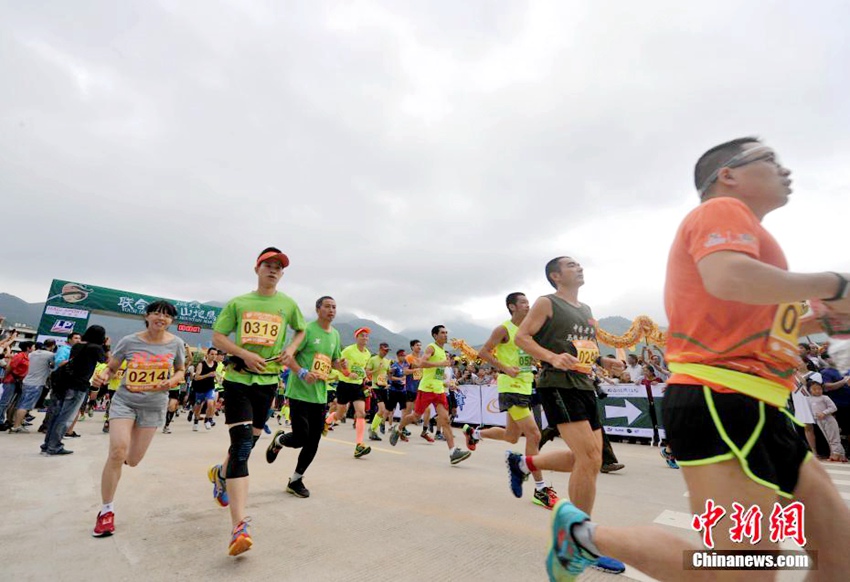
x=734 y=312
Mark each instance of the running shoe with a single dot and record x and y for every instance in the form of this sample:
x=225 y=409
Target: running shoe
x=361 y=451
x=207 y=425
x=427 y=437
x=240 y=539
x=516 y=474
x=609 y=565
x=273 y=448
x=373 y=436
x=106 y=426
x=189 y=416
x=280 y=421
x=611 y=467
x=19 y=429
x=297 y=488
x=219 y=486
x=671 y=460
x=104 y=526
x=457 y=455
x=166 y=429
x=383 y=429
x=440 y=437
x=405 y=432
x=469 y=433
x=567 y=559
x=545 y=497
x=266 y=429
x=394 y=436
x=90 y=411
x=404 y=436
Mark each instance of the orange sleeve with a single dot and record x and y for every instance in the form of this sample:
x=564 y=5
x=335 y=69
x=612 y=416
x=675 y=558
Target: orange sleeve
x=723 y=224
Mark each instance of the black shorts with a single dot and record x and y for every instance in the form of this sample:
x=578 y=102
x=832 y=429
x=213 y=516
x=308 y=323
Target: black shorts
x=244 y=403
x=381 y=394
x=396 y=397
x=346 y=392
x=331 y=396
x=102 y=391
x=695 y=437
x=510 y=399
x=174 y=394
x=565 y=405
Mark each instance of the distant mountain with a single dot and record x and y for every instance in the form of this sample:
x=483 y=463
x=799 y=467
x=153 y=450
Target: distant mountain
x=474 y=334
x=16 y=310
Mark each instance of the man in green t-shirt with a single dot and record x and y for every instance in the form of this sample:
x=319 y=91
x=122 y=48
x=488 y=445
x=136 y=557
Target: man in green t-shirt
x=259 y=320
x=316 y=355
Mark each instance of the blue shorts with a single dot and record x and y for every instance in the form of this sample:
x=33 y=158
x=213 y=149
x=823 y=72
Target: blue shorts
x=29 y=396
x=201 y=397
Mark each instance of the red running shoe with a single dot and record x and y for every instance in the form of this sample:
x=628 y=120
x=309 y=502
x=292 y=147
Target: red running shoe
x=105 y=525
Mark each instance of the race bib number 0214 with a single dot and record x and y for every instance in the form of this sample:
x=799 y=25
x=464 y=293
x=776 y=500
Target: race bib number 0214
x=146 y=378
x=260 y=329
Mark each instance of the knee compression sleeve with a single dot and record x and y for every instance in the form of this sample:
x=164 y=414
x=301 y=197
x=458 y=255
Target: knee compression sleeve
x=241 y=443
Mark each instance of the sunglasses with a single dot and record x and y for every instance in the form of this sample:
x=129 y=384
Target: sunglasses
x=749 y=156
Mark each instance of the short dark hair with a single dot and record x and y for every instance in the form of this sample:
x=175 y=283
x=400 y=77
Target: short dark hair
x=512 y=299
x=49 y=343
x=95 y=334
x=414 y=342
x=436 y=329
x=321 y=300
x=553 y=266
x=39 y=346
x=73 y=333
x=399 y=352
x=713 y=159
x=24 y=346
x=161 y=306
x=212 y=349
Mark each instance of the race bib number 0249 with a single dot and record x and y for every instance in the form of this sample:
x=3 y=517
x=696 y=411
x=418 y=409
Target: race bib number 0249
x=260 y=329
x=586 y=351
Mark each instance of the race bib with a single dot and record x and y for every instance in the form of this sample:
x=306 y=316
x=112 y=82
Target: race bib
x=439 y=373
x=586 y=351
x=359 y=372
x=321 y=367
x=417 y=374
x=782 y=341
x=382 y=380
x=260 y=329
x=146 y=377
x=525 y=362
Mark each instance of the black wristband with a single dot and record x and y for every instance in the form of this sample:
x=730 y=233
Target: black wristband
x=599 y=361
x=843 y=288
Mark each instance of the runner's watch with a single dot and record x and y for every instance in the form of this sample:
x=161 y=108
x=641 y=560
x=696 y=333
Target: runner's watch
x=843 y=288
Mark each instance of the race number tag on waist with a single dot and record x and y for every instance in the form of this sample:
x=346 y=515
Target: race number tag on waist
x=321 y=366
x=417 y=373
x=439 y=373
x=146 y=377
x=586 y=351
x=525 y=362
x=782 y=342
x=260 y=329
x=382 y=380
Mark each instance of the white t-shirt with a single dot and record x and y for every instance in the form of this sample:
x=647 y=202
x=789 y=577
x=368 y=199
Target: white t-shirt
x=635 y=373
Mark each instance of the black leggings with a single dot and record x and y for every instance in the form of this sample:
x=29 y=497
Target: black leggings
x=308 y=419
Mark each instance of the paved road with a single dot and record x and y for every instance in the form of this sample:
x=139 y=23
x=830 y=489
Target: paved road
x=400 y=513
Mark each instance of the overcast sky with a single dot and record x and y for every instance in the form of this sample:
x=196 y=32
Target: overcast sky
x=416 y=160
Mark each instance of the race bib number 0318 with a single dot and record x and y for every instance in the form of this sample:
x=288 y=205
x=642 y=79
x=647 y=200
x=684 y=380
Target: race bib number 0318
x=260 y=329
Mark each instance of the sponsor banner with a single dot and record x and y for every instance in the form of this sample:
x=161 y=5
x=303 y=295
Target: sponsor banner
x=68 y=299
x=62 y=326
x=60 y=340
x=490 y=407
x=468 y=404
x=66 y=312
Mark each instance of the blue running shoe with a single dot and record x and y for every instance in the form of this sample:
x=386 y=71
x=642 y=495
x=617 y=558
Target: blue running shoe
x=571 y=557
x=517 y=475
x=219 y=486
x=671 y=460
x=610 y=565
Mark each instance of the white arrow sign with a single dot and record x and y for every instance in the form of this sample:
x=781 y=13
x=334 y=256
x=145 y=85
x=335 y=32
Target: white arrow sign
x=630 y=412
